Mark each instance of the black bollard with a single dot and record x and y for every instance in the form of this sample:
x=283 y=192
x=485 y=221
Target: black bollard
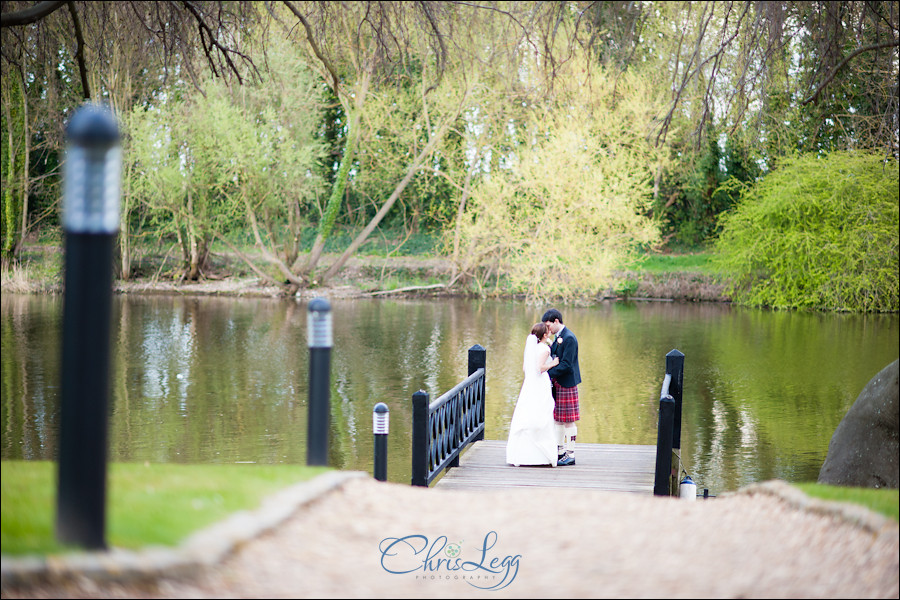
x=380 y=420
x=420 y=460
x=478 y=360
x=91 y=223
x=661 y=486
x=319 y=414
x=675 y=368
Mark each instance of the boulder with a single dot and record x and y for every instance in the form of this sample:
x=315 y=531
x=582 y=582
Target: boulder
x=864 y=448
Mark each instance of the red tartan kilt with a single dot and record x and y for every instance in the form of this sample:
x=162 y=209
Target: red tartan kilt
x=566 y=408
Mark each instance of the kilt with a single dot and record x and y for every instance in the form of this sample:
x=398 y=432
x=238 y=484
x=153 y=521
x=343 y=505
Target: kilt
x=566 y=407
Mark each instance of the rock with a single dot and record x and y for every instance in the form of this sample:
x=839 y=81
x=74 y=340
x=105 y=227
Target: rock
x=864 y=448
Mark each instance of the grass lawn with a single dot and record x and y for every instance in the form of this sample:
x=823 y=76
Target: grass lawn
x=695 y=262
x=883 y=501
x=147 y=504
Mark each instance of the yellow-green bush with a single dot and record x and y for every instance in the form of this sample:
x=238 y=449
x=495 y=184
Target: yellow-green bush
x=817 y=232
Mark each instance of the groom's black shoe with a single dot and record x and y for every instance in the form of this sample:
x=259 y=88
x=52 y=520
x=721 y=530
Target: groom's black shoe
x=565 y=461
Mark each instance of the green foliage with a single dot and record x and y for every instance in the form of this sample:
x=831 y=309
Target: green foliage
x=233 y=159
x=883 y=501
x=698 y=186
x=817 y=233
x=567 y=206
x=158 y=504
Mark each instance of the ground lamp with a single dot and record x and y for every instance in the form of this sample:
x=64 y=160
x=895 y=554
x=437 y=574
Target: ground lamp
x=319 y=331
x=91 y=223
x=380 y=423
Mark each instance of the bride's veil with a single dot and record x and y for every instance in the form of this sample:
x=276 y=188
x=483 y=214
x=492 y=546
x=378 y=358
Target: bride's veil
x=527 y=357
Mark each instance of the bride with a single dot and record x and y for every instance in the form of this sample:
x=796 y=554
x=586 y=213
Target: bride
x=532 y=437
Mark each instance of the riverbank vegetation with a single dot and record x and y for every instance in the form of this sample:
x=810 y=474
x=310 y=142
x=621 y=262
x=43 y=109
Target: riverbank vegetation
x=547 y=147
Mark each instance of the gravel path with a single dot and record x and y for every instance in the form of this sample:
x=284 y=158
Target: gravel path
x=766 y=541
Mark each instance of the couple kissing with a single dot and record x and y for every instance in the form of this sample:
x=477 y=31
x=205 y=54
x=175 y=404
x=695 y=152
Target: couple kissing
x=543 y=430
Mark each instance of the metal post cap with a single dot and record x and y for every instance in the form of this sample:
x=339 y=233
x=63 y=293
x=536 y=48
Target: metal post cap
x=93 y=125
x=93 y=172
x=380 y=419
x=318 y=305
x=318 y=321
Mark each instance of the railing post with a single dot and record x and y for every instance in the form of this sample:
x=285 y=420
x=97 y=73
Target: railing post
x=675 y=367
x=661 y=485
x=456 y=424
x=478 y=360
x=420 y=439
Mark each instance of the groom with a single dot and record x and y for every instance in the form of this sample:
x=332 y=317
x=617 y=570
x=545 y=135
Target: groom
x=565 y=378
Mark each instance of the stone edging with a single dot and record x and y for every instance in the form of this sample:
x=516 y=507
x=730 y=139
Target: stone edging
x=202 y=549
x=852 y=514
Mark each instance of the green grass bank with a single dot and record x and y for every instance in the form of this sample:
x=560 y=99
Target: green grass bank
x=162 y=504
x=147 y=504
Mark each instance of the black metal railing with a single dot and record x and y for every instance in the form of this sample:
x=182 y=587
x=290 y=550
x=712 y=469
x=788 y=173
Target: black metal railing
x=668 y=437
x=443 y=428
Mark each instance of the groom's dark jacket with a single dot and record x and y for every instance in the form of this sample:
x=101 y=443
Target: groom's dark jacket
x=565 y=346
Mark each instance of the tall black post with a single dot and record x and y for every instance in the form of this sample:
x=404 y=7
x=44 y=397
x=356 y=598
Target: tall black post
x=664 y=447
x=91 y=223
x=478 y=360
x=319 y=413
x=675 y=368
x=380 y=425
x=420 y=439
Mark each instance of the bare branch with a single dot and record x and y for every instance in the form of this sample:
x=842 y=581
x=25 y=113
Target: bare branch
x=29 y=15
x=312 y=42
x=843 y=63
x=442 y=56
x=79 y=51
x=209 y=41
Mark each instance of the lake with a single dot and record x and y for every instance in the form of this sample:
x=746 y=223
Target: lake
x=211 y=379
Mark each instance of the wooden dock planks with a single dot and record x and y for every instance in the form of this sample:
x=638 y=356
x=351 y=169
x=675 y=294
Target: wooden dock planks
x=607 y=467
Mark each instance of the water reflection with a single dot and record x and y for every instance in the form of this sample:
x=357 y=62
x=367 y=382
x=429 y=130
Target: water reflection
x=224 y=380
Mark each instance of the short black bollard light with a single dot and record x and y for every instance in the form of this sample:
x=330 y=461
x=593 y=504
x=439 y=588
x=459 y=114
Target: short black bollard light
x=380 y=420
x=91 y=222
x=319 y=331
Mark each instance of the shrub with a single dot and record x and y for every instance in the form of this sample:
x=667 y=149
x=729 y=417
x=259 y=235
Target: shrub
x=818 y=232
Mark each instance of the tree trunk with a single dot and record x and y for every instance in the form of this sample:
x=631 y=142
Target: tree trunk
x=334 y=202
x=460 y=213
x=124 y=237
x=26 y=188
x=193 y=246
x=410 y=172
x=269 y=253
x=10 y=193
x=340 y=182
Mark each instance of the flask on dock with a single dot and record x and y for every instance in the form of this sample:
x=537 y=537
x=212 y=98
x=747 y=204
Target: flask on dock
x=688 y=488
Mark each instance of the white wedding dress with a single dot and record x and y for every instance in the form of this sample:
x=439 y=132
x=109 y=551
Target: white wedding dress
x=532 y=436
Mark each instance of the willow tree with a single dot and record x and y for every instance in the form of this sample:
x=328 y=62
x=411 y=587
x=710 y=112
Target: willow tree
x=817 y=232
x=567 y=203
x=360 y=48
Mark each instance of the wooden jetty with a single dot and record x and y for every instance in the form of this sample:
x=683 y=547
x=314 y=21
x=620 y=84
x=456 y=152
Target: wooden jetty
x=605 y=467
x=449 y=450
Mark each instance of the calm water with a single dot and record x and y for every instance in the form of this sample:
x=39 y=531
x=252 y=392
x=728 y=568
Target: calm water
x=224 y=380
